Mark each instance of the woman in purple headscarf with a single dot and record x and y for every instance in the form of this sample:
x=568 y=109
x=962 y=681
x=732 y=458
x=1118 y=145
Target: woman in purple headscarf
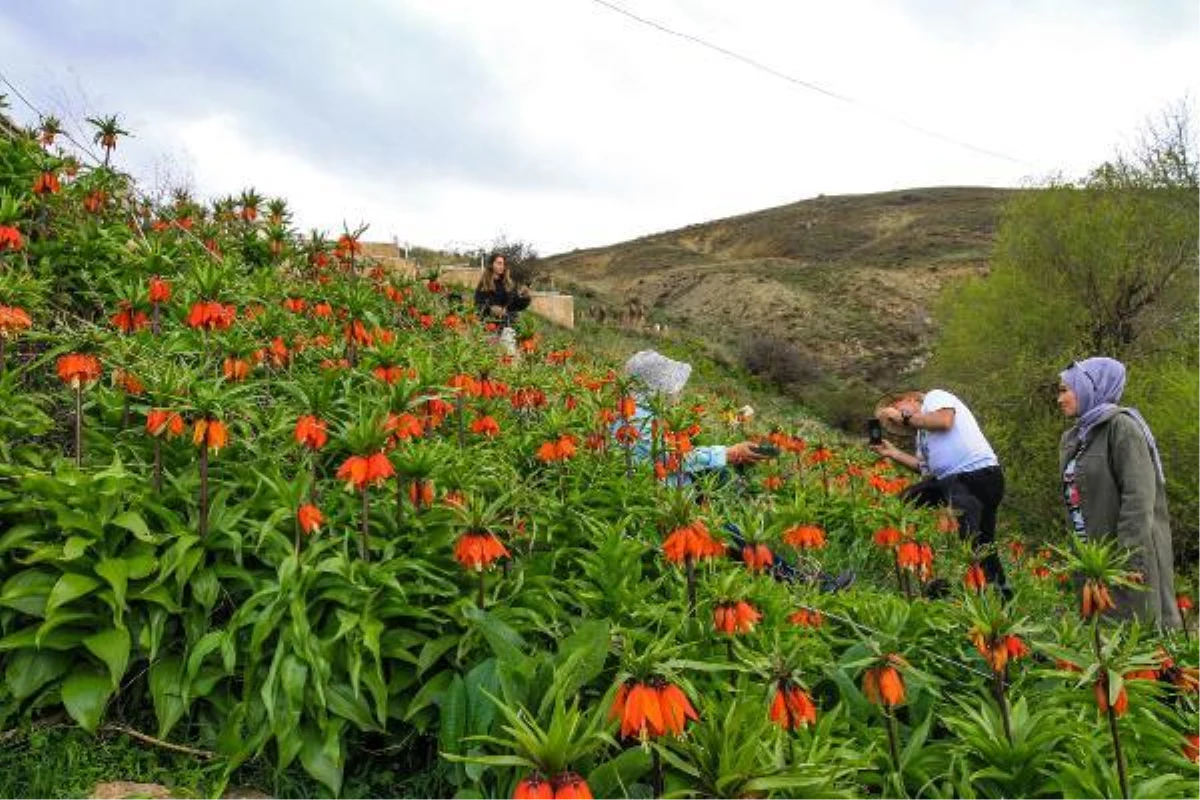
x=1112 y=483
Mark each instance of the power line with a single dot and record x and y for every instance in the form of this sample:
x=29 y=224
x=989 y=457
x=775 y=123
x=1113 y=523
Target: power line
x=758 y=65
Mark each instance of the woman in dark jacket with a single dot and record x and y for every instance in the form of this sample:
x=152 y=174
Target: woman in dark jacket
x=497 y=298
x=1113 y=486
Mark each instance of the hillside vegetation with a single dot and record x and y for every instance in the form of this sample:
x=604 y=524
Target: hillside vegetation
x=847 y=282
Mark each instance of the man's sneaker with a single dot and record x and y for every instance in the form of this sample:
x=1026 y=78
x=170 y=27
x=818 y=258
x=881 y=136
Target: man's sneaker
x=835 y=583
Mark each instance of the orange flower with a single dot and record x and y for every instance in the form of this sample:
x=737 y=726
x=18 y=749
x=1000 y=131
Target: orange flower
x=527 y=398
x=379 y=469
x=999 y=651
x=127 y=320
x=160 y=290
x=887 y=537
x=975 y=579
x=405 y=427
x=476 y=550
x=772 y=483
x=46 y=183
x=807 y=618
x=322 y=310
x=159 y=421
x=691 y=542
x=675 y=707
x=641 y=711
x=486 y=426
x=235 y=370
x=1184 y=603
x=10 y=238
x=1191 y=748
x=757 y=556
x=627 y=407
x=211 y=433
x=211 y=315
x=820 y=455
x=1096 y=599
x=655 y=709
x=792 y=707
x=535 y=787
x=295 y=305
x=908 y=555
x=354 y=472
x=736 y=618
x=884 y=685
x=13 y=320
x=420 y=493
x=77 y=369
x=627 y=434
x=310 y=518
x=805 y=537
x=1100 y=688
x=1141 y=675
x=570 y=786
x=557 y=450
x=129 y=382
x=310 y=432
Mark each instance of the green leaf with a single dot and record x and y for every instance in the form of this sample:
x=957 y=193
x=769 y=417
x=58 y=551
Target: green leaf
x=111 y=647
x=453 y=716
x=581 y=657
x=429 y=692
x=322 y=757
x=133 y=522
x=433 y=650
x=70 y=586
x=166 y=690
x=75 y=547
x=30 y=669
x=17 y=535
x=612 y=777
x=343 y=702
x=116 y=572
x=28 y=592
x=505 y=642
x=85 y=693
x=209 y=642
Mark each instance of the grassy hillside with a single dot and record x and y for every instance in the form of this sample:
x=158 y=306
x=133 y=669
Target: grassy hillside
x=846 y=281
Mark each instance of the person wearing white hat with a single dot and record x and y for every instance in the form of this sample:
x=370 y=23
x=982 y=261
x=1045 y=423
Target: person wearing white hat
x=658 y=376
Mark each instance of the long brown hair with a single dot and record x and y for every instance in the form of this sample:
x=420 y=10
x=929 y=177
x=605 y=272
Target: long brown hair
x=487 y=281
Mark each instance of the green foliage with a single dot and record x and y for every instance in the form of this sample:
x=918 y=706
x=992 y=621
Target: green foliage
x=1102 y=266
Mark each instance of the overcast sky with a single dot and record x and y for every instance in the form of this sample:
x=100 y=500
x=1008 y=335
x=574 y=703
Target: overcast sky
x=564 y=123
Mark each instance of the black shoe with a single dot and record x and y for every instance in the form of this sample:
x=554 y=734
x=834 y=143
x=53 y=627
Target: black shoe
x=835 y=583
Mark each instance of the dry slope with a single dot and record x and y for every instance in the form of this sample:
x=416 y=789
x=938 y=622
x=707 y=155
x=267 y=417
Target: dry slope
x=849 y=279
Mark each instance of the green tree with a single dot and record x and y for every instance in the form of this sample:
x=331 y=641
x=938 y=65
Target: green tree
x=1106 y=265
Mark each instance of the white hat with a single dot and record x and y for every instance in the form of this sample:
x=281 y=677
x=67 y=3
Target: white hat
x=657 y=372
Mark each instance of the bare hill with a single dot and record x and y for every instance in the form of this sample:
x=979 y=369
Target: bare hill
x=848 y=281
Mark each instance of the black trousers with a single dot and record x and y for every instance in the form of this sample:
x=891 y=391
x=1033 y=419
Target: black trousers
x=975 y=496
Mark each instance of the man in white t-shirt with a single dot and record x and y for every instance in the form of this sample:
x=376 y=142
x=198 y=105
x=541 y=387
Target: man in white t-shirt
x=959 y=465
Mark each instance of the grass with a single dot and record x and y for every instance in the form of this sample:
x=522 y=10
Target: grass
x=61 y=760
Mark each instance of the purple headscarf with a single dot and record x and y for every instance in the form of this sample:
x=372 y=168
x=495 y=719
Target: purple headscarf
x=1098 y=384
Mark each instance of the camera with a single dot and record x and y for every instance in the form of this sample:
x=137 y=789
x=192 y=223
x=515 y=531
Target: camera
x=874 y=431
x=764 y=449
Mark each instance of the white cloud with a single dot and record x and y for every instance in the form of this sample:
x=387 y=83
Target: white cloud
x=566 y=124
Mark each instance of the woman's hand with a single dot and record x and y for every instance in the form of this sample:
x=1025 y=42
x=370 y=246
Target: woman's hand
x=742 y=453
x=887 y=449
x=497 y=311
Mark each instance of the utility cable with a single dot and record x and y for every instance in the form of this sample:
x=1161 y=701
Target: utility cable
x=758 y=65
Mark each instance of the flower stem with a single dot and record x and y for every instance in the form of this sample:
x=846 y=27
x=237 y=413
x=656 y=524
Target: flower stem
x=893 y=746
x=691 y=585
x=363 y=538
x=157 y=465
x=1116 y=737
x=78 y=426
x=1002 y=702
x=203 y=489
x=482 y=588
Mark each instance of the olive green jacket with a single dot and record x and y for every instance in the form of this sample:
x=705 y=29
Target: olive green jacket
x=1122 y=495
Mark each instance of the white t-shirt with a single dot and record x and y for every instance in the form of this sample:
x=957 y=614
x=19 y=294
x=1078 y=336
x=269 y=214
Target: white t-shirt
x=960 y=449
